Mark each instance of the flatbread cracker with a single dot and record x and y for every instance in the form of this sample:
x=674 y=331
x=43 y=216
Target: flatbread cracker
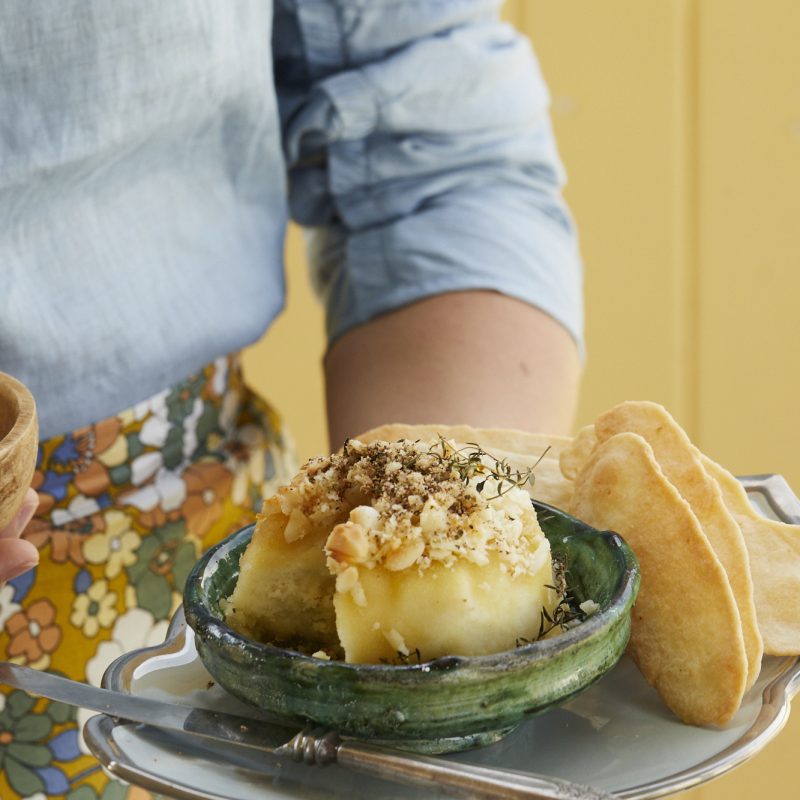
x=520 y=448
x=681 y=463
x=574 y=456
x=686 y=633
x=774 y=549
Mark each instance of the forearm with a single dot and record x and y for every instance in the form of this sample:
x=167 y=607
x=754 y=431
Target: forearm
x=473 y=357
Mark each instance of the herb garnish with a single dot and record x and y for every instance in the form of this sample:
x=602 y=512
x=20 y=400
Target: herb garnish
x=469 y=462
x=404 y=659
x=567 y=611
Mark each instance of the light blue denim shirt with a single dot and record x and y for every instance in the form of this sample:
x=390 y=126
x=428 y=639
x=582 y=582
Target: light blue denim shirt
x=151 y=151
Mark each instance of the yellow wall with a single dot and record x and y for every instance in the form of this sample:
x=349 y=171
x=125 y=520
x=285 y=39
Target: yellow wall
x=286 y=365
x=679 y=124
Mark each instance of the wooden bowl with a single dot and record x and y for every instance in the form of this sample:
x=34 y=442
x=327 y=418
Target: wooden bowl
x=19 y=440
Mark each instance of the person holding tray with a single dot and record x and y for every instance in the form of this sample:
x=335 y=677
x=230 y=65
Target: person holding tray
x=151 y=154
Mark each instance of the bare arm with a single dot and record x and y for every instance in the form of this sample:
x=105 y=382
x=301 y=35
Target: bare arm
x=423 y=163
x=473 y=357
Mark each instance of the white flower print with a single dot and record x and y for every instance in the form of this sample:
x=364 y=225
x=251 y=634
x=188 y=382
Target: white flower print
x=133 y=630
x=79 y=508
x=220 y=378
x=156 y=405
x=190 y=428
x=7 y=606
x=167 y=490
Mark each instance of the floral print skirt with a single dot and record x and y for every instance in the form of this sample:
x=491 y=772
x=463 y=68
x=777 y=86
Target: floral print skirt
x=126 y=507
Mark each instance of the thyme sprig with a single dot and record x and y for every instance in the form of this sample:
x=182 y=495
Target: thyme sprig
x=404 y=659
x=567 y=611
x=470 y=461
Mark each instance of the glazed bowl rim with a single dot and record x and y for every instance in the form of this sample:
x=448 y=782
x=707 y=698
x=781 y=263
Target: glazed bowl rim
x=208 y=626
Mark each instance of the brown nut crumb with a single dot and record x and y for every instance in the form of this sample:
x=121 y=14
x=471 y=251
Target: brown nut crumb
x=348 y=542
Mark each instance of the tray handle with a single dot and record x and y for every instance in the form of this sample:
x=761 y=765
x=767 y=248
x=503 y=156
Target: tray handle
x=778 y=494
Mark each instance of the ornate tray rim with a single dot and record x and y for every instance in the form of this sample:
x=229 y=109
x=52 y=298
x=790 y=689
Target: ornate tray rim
x=775 y=700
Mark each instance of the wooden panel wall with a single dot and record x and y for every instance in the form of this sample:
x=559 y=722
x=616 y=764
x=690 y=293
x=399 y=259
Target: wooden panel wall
x=286 y=365
x=679 y=124
x=617 y=74
x=748 y=243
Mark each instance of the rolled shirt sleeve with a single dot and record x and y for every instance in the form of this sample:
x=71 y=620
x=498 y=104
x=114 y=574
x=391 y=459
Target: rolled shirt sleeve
x=421 y=157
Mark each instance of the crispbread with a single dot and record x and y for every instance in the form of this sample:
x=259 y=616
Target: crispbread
x=532 y=445
x=774 y=549
x=686 y=634
x=681 y=463
x=574 y=456
x=520 y=448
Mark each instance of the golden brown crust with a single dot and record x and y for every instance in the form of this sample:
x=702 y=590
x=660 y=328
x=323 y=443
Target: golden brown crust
x=574 y=456
x=680 y=462
x=696 y=661
x=774 y=549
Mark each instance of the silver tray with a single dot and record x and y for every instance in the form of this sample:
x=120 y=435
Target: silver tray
x=616 y=736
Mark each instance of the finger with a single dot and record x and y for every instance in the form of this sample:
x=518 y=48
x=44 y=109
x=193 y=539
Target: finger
x=16 y=556
x=29 y=505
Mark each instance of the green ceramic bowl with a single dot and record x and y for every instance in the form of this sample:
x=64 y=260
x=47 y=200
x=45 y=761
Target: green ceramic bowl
x=448 y=704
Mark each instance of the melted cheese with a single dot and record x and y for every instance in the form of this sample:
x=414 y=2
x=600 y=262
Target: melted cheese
x=390 y=549
x=459 y=610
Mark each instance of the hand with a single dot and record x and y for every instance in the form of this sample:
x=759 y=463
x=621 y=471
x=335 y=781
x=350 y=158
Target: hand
x=17 y=555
